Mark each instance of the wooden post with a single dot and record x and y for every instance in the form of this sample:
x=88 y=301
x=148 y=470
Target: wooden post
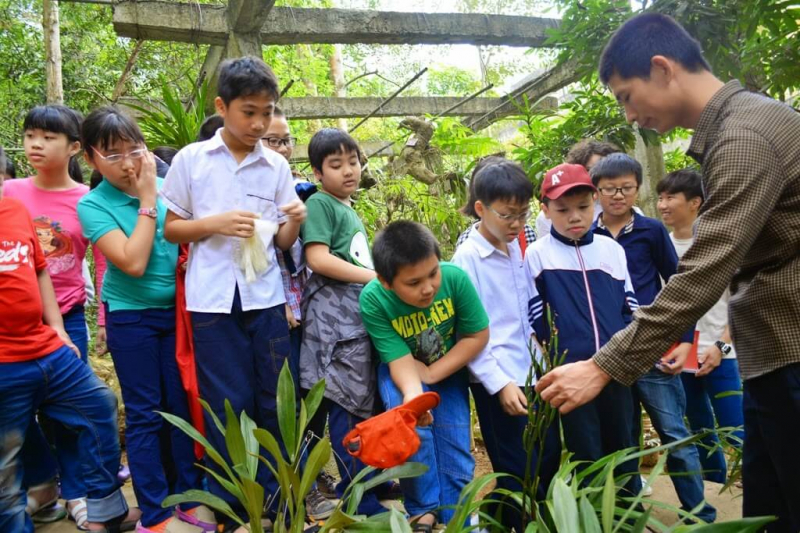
x=52 y=52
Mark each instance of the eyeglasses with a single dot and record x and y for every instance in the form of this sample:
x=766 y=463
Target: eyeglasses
x=510 y=217
x=116 y=158
x=276 y=142
x=627 y=190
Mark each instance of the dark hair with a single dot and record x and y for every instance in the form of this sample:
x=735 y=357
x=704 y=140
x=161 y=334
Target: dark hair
x=209 y=127
x=614 y=166
x=469 y=207
x=246 y=76
x=402 y=243
x=58 y=119
x=575 y=191
x=687 y=181
x=500 y=180
x=329 y=141
x=106 y=125
x=582 y=151
x=278 y=112
x=11 y=170
x=633 y=45
x=165 y=153
x=95 y=179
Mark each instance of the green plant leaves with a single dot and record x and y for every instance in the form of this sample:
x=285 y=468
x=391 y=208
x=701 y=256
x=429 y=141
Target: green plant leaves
x=206 y=498
x=287 y=411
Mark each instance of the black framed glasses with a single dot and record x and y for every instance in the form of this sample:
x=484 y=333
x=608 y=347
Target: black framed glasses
x=627 y=190
x=277 y=142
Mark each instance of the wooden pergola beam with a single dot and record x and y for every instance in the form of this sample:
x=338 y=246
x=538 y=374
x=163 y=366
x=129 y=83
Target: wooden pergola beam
x=309 y=108
x=208 y=24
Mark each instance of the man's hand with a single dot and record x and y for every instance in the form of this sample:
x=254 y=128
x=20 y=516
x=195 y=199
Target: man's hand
x=100 y=339
x=569 y=386
x=710 y=359
x=295 y=211
x=513 y=400
x=64 y=336
x=233 y=224
x=674 y=361
x=293 y=323
x=426 y=419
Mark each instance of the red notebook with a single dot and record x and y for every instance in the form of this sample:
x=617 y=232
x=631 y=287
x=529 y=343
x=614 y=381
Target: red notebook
x=692 y=364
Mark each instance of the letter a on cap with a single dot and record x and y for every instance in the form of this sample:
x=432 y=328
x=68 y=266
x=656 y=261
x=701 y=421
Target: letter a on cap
x=555 y=180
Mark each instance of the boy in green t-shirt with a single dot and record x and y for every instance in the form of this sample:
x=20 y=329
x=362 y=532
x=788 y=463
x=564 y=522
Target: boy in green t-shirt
x=335 y=346
x=426 y=322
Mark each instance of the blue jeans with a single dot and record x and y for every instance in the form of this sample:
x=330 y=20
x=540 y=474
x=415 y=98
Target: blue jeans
x=770 y=462
x=65 y=389
x=142 y=345
x=37 y=455
x=444 y=446
x=664 y=400
x=703 y=406
x=502 y=434
x=239 y=356
x=602 y=427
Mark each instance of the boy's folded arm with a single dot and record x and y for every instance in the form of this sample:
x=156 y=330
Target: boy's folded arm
x=464 y=351
x=404 y=375
x=487 y=370
x=321 y=261
x=230 y=223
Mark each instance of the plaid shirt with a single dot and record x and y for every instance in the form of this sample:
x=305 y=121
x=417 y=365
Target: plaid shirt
x=293 y=282
x=747 y=236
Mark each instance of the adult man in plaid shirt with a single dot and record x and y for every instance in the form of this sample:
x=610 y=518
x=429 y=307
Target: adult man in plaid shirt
x=747 y=236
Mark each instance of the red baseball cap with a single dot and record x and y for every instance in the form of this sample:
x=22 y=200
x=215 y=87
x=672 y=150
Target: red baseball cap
x=564 y=177
x=390 y=438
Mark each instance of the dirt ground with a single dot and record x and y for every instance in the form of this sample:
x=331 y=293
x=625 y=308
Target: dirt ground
x=728 y=504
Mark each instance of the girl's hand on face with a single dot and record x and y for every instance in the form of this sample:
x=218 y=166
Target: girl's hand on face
x=144 y=184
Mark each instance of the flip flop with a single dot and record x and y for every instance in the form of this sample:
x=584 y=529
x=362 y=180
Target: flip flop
x=49 y=514
x=48 y=511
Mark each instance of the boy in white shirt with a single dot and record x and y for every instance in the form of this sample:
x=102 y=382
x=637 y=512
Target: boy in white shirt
x=492 y=258
x=680 y=196
x=217 y=191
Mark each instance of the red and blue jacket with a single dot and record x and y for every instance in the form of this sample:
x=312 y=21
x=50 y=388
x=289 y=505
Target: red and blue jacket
x=586 y=288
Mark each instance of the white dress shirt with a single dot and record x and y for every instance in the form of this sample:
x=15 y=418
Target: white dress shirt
x=505 y=291
x=204 y=180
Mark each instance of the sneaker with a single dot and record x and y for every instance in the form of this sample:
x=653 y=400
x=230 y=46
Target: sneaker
x=326 y=484
x=646 y=491
x=318 y=507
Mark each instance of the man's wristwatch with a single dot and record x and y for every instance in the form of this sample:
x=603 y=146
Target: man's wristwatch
x=148 y=212
x=724 y=347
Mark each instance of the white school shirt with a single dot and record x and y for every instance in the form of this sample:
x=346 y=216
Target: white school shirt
x=711 y=325
x=504 y=290
x=205 y=179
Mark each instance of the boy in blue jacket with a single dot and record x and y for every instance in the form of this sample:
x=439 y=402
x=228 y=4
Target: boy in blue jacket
x=651 y=257
x=583 y=280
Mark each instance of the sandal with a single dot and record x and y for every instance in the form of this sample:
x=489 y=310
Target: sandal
x=200 y=516
x=78 y=513
x=423 y=528
x=47 y=511
x=120 y=524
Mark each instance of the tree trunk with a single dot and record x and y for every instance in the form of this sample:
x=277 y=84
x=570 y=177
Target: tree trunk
x=337 y=76
x=653 y=170
x=119 y=89
x=304 y=52
x=52 y=52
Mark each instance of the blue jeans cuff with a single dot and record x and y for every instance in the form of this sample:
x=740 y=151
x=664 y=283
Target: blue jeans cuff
x=108 y=508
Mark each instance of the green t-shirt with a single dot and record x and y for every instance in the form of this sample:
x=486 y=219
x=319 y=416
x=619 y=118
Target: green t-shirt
x=398 y=329
x=336 y=225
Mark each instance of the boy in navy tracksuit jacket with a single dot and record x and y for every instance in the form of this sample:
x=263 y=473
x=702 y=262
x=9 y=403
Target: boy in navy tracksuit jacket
x=583 y=279
x=651 y=256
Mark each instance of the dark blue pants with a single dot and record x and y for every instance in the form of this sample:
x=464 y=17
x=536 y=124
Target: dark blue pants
x=601 y=427
x=239 y=356
x=502 y=435
x=340 y=422
x=37 y=455
x=65 y=389
x=142 y=345
x=771 y=463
